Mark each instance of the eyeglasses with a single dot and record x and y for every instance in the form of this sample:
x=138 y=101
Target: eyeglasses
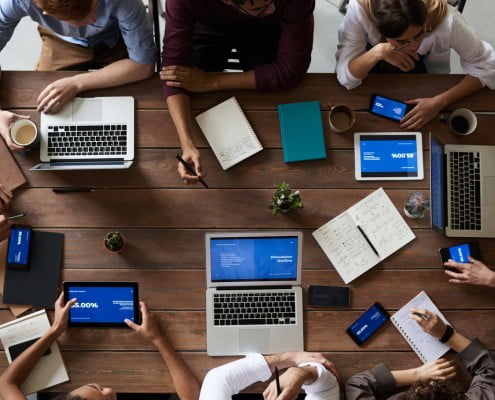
x=256 y=12
x=402 y=43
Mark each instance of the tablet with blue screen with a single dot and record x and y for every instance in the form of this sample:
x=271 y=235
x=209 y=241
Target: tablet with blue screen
x=380 y=156
x=102 y=303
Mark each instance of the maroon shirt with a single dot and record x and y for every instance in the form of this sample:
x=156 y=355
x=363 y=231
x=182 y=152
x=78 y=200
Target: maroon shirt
x=295 y=18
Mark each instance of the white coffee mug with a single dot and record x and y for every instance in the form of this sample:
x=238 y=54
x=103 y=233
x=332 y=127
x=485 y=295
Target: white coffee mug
x=462 y=121
x=24 y=132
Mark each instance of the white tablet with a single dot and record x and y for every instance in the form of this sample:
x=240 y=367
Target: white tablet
x=385 y=156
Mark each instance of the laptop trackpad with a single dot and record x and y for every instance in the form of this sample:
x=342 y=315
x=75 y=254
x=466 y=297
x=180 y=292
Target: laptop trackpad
x=87 y=110
x=254 y=340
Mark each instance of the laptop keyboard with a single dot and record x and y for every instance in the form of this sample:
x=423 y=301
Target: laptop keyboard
x=263 y=308
x=87 y=140
x=465 y=193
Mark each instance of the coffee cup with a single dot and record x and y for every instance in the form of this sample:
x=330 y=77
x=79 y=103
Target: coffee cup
x=341 y=118
x=24 y=132
x=462 y=121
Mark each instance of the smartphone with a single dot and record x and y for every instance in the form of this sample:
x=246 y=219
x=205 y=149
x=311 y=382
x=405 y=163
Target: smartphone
x=19 y=247
x=328 y=296
x=368 y=323
x=388 y=108
x=460 y=253
x=16 y=349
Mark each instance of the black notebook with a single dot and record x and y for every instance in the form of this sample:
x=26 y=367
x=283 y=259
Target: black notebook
x=36 y=286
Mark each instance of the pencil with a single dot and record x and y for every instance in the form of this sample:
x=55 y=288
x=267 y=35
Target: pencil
x=190 y=170
x=277 y=382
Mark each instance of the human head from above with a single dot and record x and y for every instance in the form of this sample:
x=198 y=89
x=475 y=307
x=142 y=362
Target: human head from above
x=76 y=13
x=433 y=390
x=90 y=391
x=401 y=22
x=253 y=8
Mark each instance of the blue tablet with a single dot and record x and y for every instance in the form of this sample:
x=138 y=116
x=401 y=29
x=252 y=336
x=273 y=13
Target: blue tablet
x=380 y=156
x=102 y=303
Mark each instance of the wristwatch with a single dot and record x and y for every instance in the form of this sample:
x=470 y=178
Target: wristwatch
x=449 y=331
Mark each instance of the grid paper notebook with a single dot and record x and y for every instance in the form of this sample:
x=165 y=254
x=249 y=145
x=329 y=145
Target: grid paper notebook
x=229 y=133
x=427 y=347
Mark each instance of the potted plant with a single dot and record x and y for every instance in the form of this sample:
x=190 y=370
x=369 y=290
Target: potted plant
x=284 y=199
x=114 y=242
x=416 y=205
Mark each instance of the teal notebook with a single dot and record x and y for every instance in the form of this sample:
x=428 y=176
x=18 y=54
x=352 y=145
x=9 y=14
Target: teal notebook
x=302 y=131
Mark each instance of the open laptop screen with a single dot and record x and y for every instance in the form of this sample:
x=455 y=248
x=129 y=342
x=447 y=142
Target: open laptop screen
x=437 y=184
x=235 y=259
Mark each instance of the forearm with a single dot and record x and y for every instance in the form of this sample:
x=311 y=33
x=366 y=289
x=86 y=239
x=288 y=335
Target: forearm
x=118 y=73
x=465 y=87
x=405 y=377
x=232 y=80
x=179 y=108
x=360 y=66
x=458 y=342
x=21 y=367
x=185 y=382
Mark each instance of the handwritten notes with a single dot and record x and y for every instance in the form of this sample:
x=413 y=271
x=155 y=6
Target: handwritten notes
x=347 y=248
x=229 y=133
x=427 y=347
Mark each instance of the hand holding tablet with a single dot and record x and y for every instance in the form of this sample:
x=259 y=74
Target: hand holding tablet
x=102 y=303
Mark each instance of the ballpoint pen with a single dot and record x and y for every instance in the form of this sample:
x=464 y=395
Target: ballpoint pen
x=421 y=315
x=277 y=382
x=191 y=170
x=15 y=216
x=73 y=189
x=368 y=240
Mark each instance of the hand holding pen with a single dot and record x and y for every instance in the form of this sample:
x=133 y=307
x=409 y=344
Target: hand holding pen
x=190 y=170
x=429 y=322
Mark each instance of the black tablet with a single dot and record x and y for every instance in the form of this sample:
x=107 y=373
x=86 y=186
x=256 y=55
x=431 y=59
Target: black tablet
x=102 y=303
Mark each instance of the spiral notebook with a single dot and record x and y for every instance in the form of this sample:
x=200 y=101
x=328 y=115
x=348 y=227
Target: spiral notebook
x=229 y=133
x=427 y=347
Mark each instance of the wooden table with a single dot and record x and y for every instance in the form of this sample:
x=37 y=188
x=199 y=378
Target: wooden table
x=164 y=222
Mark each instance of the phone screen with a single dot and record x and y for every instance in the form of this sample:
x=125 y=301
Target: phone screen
x=387 y=107
x=329 y=296
x=19 y=243
x=461 y=252
x=368 y=323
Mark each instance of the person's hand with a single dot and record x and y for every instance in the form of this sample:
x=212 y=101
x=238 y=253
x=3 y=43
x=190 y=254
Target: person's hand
x=4 y=228
x=190 y=78
x=299 y=357
x=291 y=382
x=405 y=60
x=5 y=198
x=424 y=111
x=433 y=325
x=57 y=94
x=473 y=273
x=149 y=328
x=440 y=369
x=6 y=119
x=61 y=314
x=191 y=156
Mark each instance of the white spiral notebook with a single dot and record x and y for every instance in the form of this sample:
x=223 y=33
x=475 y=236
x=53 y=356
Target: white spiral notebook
x=427 y=347
x=229 y=133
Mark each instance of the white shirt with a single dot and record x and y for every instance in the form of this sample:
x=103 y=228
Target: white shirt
x=223 y=382
x=477 y=56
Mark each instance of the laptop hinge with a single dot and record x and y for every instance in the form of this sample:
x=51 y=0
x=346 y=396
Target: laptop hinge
x=253 y=287
x=95 y=161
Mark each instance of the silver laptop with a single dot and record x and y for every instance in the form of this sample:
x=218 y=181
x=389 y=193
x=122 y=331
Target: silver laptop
x=462 y=189
x=88 y=133
x=254 y=297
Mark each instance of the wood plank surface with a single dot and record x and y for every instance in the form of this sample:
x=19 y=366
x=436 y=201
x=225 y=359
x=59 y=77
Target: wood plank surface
x=164 y=223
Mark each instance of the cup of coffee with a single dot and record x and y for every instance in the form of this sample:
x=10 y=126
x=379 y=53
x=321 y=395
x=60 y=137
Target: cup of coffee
x=462 y=121
x=341 y=118
x=24 y=132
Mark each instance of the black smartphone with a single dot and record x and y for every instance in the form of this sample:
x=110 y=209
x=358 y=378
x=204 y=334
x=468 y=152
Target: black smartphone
x=388 y=108
x=19 y=247
x=328 y=296
x=368 y=323
x=460 y=253
x=16 y=349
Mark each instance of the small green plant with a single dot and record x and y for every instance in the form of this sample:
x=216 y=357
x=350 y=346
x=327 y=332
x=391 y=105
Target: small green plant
x=114 y=241
x=416 y=205
x=284 y=199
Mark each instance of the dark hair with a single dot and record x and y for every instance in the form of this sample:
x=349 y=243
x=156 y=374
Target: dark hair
x=66 y=9
x=433 y=390
x=393 y=17
x=68 y=396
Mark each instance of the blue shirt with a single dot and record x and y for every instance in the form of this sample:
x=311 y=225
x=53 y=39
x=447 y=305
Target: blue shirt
x=113 y=18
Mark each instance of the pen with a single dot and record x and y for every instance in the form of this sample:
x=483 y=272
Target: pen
x=366 y=237
x=16 y=216
x=421 y=315
x=73 y=189
x=190 y=170
x=277 y=382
